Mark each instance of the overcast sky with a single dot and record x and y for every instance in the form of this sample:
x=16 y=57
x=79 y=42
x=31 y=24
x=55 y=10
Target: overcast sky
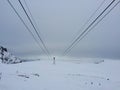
x=58 y=22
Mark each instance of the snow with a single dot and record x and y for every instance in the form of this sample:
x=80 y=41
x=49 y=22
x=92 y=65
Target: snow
x=64 y=75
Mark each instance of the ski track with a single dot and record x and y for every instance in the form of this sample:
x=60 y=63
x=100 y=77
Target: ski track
x=43 y=75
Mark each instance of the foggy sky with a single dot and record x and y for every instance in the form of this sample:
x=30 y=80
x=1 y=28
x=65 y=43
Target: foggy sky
x=59 y=21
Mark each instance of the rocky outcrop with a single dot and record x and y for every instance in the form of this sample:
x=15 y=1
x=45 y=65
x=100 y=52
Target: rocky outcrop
x=6 y=57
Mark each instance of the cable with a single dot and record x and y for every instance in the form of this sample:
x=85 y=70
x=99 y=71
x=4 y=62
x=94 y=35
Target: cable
x=34 y=28
x=77 y=34
x=96 y=23
x=25 y=24
x=71 y=46
x=30 y=14
x=33 y=19
x=89 y=18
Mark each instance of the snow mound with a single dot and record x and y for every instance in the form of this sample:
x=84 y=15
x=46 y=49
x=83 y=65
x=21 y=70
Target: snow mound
x=8 y=58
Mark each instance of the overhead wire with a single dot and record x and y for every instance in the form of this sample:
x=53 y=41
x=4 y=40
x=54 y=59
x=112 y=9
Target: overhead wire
x=96 y=24
x=32 y=18
x=88 y=20
x=86 y=30
x=30 y=13
x=34 y=28
x=25 y=25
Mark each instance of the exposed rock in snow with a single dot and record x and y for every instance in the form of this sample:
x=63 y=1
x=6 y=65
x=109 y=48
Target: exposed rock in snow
x=6 y=57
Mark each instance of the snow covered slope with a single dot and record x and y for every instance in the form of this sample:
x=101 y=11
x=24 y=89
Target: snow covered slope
x=6 y=57
x=43 y=75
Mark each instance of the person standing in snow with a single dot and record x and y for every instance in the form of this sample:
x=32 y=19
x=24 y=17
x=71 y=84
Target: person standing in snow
x=53 y=60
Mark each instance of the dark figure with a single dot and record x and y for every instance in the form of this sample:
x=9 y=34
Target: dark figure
x=91 y=83
x=99 y=84
x=53 y=60
x=0 y=75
